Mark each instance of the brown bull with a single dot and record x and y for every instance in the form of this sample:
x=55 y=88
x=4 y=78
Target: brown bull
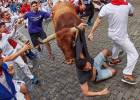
x=64 y=19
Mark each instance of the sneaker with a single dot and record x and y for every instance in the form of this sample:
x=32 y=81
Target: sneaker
x=31 y=55
x=89 y=23
x=35 y=81
x=129 y=80
x=114 y=62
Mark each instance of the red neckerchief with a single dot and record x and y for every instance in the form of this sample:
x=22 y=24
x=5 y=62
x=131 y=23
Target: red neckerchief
x=119 y=2
x=12 y=42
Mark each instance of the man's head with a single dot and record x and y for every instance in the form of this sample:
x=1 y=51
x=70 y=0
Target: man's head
x=83 y=65
x=6 y=15
x=34 y=6
x=2 y=27
x=25 y=1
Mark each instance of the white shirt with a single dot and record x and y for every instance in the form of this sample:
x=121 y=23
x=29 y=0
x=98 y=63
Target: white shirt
x=45 y=7
x=7 y=49
x=117 y=18
x=76 y=2
x=11 y=23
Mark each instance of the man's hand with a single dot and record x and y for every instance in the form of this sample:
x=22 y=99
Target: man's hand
x=104 y=92
x=90 y=36
x=95 y=26
x=50 y=3
x=27 y=46
x=15 y=26
x=83 y=7
x=82 y=25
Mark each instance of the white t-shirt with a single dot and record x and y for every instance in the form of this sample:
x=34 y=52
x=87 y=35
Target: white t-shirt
x=10 y=24
x=45 y=7
x=7 y=49
x=117 y=18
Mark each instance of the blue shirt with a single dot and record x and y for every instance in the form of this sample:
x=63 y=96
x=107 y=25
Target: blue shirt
x=35 y=20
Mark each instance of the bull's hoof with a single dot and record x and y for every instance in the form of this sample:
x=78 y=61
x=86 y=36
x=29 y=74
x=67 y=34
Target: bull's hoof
x=70 y=62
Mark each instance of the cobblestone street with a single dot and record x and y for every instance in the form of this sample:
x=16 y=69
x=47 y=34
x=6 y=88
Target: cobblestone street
x=58 y=81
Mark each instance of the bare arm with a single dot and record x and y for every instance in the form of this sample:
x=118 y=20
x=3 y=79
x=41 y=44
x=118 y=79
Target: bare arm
x=94 y=28
x=18 y=53
x=85 y=90
x=50 y=3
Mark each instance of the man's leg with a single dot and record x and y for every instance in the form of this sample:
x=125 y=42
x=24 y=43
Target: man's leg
x=43 y=36
x=132 y=57
x=24 y=90
x=49 y=49
x=90 y=13
x=24 y=67
x=99 y=60
x=115 y=52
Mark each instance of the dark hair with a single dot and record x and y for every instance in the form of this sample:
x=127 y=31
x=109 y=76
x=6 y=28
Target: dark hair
x=80 y=63
x=1 y=24
x=34 y=2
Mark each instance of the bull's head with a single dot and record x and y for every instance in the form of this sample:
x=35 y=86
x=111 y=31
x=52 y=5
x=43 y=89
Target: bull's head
x=65 y=19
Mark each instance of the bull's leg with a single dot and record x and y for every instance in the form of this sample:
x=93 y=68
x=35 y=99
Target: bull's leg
x=46 y=41
x=70 y=61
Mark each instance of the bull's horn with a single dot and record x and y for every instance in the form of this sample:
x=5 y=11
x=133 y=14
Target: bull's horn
x=49 y=38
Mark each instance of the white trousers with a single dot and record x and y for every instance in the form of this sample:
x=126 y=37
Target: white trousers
x=132 y=54
x=22 y=65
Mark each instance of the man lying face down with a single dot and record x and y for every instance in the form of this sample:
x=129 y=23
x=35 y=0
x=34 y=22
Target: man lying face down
x=91 y=69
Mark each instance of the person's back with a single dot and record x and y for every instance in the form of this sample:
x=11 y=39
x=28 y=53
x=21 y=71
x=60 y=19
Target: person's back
x=117 y=18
